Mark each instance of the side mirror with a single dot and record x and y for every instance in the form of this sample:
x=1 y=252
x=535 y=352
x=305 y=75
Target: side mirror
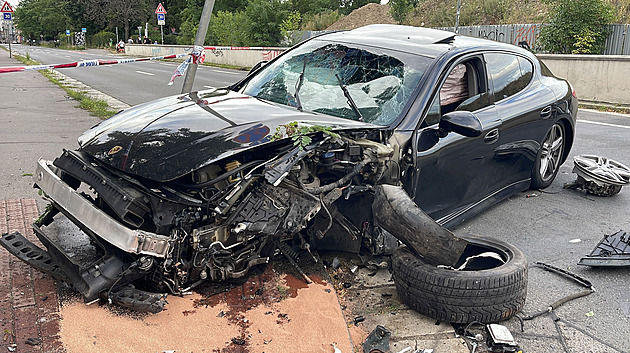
x=258 y=66
x=461 y=122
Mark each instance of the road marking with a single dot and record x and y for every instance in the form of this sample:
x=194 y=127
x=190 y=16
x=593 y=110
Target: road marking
x=145 y=73
x=603 y=124
x=227 y=72
x=209 y=87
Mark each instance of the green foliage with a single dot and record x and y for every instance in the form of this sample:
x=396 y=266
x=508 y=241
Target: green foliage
x=300 y=134
x=103 y=39
x=399 y=9
x=291 y=23
x=320 y=21
x=42 y=17
x=262 y=22
x=225 y=29
x=576 y=26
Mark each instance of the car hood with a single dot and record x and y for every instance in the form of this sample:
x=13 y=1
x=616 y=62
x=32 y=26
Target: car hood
x=170 y=137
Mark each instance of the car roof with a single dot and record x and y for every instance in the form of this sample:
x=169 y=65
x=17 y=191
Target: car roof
x=418 y=40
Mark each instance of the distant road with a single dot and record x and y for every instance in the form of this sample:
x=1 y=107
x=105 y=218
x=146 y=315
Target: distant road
x=132 y=83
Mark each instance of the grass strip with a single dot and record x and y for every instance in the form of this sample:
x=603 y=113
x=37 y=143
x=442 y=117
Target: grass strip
x=96 y=107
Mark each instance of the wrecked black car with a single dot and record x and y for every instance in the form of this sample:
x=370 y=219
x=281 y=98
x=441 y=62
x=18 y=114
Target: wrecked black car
x=350 y=141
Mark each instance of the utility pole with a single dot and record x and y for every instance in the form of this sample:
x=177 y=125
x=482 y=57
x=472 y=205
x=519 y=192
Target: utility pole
x=459 y=5
x=199 y=40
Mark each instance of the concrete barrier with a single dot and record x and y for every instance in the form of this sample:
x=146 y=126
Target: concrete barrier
x=236 y=56
x=596 y=78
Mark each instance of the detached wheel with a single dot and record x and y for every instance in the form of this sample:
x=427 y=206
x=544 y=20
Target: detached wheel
x=549 y=157
x=487 y=290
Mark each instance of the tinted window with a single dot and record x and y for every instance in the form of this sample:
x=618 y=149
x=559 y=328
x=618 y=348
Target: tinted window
x=509 y=74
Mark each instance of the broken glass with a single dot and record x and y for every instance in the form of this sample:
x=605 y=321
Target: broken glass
x=379 y=81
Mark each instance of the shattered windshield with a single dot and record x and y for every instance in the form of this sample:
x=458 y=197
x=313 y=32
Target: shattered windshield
x=344 y=80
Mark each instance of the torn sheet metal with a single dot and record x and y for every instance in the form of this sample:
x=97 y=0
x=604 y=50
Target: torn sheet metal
x=612 y=251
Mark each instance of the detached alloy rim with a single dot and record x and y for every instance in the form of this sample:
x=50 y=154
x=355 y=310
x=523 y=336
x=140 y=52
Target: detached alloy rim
x=602 y=169
x=551 y=153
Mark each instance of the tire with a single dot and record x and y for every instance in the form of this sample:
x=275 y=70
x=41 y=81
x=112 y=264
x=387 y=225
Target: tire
x=485 y=295
x=549 y=157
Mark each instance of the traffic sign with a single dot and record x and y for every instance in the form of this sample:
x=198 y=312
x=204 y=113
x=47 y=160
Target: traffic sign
x=67 y=32
x=83 y=29
x=6 y=16
x=160 y=9
x=6 y=7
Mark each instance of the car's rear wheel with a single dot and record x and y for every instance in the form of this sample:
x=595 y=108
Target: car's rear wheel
x=549 y=157
x=487 y=290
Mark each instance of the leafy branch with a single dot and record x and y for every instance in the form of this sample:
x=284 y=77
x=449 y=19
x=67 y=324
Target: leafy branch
x=300 y=134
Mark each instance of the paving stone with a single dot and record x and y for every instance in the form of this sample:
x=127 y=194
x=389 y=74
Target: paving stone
x=26 y=316
x=29 y=305
x=22 y=334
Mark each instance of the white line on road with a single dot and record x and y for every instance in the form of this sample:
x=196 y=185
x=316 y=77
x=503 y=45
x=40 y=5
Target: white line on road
x=604 y=124
x=145 y=73
x=227 y=72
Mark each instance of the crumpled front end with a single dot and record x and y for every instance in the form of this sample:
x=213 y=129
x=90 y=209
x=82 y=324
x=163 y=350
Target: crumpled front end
x=154 y=238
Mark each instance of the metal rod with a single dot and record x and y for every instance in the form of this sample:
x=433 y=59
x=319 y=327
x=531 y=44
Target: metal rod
x=199 y=40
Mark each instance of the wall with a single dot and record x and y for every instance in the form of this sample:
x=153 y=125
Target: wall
x=596 y=78
x=237 y=56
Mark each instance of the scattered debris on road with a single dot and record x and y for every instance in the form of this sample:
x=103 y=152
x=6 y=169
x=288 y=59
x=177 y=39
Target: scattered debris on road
x=599 y=176
x=612 y=251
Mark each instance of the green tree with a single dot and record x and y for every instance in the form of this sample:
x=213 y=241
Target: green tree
x=225 y=29
x=262 y=22
x=576 y=26
x=42 y=18
x=399 y=9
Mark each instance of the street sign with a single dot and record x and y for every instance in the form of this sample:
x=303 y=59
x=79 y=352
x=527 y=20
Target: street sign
x=67 y=32
x=6 y=7
x=84 y=30
x=160 y=9
x=6 y=16
x=161 y=19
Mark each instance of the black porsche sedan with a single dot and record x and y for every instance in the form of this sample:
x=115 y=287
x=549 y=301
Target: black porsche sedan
x=357 y=140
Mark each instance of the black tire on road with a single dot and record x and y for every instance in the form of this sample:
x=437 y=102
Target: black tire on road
x=486 y=295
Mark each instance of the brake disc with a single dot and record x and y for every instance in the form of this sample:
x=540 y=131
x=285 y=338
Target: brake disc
x=600 y=176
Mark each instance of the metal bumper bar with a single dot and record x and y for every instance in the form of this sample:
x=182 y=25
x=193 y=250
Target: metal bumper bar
x=94 y=219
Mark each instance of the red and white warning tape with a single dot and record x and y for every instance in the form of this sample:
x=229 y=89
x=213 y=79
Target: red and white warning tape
x=196 y=56
x=86 y=63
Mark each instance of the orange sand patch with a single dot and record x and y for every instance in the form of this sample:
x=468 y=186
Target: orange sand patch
x=309 y=321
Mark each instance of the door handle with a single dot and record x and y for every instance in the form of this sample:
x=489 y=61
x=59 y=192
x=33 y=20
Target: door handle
x=545 y=113
x=492 y=136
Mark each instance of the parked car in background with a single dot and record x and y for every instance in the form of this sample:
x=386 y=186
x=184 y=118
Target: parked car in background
x=338 y=143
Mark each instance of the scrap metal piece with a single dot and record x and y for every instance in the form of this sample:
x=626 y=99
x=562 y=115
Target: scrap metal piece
x=612 y=251
x=378 y=340
x=599 y=175
x=500 y=339
x=139 y=300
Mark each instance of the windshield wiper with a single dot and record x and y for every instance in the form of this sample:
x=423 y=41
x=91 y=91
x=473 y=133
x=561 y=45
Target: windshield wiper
x=351 y=103
x=298 y=85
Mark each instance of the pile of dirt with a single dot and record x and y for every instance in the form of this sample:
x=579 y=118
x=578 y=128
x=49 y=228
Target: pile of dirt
x=369 y=14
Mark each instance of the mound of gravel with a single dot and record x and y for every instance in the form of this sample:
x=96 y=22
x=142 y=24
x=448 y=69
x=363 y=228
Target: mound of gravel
x=367 y=15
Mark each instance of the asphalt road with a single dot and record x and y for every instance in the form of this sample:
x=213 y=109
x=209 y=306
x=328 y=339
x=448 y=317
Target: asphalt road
x=132 y=83
x=557 y=226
